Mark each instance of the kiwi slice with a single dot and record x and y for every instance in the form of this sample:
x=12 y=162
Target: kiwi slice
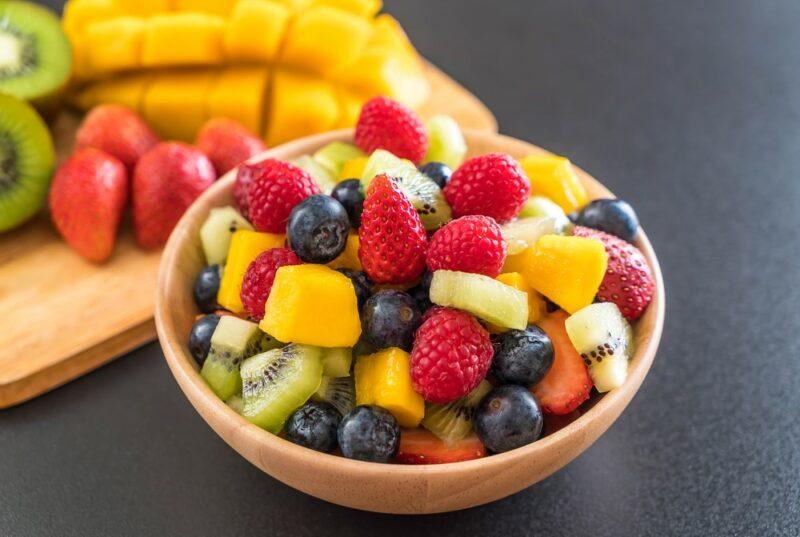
x=325 y=178
x=233 y=340
x=278 y=382
x=340 y=392
x=217 y=230
x=27 y=159
x=336 y=361
x=236 y=403
x=424 y=194
x=446 y=141
x=335 y=154
x=35 y=55
x=453 y=421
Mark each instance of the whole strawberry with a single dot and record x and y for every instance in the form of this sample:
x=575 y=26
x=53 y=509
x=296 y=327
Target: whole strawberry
x=451 y=355
x=392 y=239
x=468 y=244
x=228 y=143
x=259 y=277
x=87 y=200
x=166 y=180
x=628 y=282
x=118 y=131
x=492 y=185
x=387 y=124
x=274 y=189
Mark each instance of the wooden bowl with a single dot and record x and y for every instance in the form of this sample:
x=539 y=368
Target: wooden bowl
x=388 y=488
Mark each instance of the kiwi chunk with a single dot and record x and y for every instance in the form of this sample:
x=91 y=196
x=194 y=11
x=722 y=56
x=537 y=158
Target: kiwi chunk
x=336 y=361
x=446 y=141
x=27 y=160
x=325 y=178
x=340 y=392
x=453 y=421
x=35 y=55
x=278 y=382
x=334 y=155
x=217 y=230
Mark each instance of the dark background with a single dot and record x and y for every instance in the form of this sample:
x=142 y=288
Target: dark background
x=691 y=111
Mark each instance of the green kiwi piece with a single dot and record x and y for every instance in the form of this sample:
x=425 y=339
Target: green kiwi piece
x=336 y=361
x=338 y=391
x=233 y=340
x=453 y=421
x=217 y=230
x=278 y=382
x=27 y=159
x=324 y=177
x=236 y=403
x=35 y=55
x=334 y=155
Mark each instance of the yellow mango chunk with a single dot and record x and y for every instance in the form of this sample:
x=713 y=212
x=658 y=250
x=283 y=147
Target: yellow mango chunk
x=554 y=177
x=567 y=270
x=350 y=108
x=245 y=247
x=175 y=103
x=255 y=30
x=362 y=8
x=294 y=5
x=240 y=94
x=174 y=39
x=384 y=379
x=220 y=8
x=115 y=44
x=353 y=168
x=537 y=308
x=126 y=90
x=79 y=14
x=301 y=105
x=349 y=258
x=381 y=71
x=312 y=305
x=388 y=33
x=142 y=8
x=323 y=39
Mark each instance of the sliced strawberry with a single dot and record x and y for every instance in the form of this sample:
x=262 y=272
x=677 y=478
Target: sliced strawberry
x=567 y=385
x=418 y=446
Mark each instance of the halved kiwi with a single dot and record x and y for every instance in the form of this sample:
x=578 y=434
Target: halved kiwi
x=35 y=55
x=453 y=421
x=27 y=159
x=338 y=391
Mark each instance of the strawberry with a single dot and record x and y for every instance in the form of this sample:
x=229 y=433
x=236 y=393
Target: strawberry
x=228 y=143
x=567 y=385
x=468 y=244
x=451 y=355
x=118 y=131
x=628 y=281
x=493 y=185
x=87 y=200
x=273 y=189
x=387 y=124
x=259 y=277
x=418 y=446
x=166 y=180
x=392 y=239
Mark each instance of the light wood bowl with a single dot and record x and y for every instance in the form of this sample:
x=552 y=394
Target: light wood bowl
x=385 y=488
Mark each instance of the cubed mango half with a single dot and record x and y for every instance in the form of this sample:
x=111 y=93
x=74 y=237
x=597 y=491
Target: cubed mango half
x=115 y=44
x=245 y=247
x=174 y=39
x=240 y=93
x=175 y=103
x=255 y=30
x=301 y=105
x=384 y=379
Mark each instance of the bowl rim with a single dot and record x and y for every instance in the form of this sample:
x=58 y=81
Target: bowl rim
x=184 y=368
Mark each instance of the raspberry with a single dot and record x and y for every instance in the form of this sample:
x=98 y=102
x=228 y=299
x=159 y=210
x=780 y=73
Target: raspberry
x=492 y=185
x=245 y=175
x=468 y=244
x=258 y=279
x=391 y=237
x=451 y=355
x=387 y=124
x=628 y=282
x=275 y=188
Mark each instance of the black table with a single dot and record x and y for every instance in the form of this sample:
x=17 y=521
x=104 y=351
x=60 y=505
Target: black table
x=691 y=111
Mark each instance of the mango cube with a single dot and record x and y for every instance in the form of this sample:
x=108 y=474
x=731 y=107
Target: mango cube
x=567 y=270
x=174 y=39
x=255 y=30
x=240 y=94
x=126 y=90
x=79 y=14
x=554 y=177
x=537 y=308
x=322 y=39
x=381 y=71
x=142 y=8
x=353 y=168
x=301 y=105
x=294 y=5
x=349 y=257
x=245 y=247
x=384 y=379
x=175 y=103
x=312 y=305
x=362 y=8
x=115 y=44
x=220 y=8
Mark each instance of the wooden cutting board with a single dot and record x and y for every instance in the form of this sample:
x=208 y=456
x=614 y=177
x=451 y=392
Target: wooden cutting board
x=63 y=316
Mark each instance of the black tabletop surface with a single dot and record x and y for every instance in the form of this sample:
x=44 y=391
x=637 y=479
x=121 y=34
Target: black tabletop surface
x=691 y=111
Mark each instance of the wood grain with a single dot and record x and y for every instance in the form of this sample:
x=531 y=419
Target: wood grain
x=63 y=316
x=385 y=487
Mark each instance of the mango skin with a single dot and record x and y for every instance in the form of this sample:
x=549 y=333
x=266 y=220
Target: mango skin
x=384 y=379
x=312 y=305
x=245 y=247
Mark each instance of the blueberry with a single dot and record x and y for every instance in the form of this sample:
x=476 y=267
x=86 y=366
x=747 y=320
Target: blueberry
x=363 y=348
x=389 y=319
x=200 y=336
x=508 y=418
x=206 y=287
x=317 y=229
x=369 y=433
x=314 y=425
x=613 y=216
x=440 y=173
x=522 y=356
x=361 y=283
x=421 y=292
x=350 y=193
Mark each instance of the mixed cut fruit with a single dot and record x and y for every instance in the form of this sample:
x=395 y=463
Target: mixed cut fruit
x=390 y=301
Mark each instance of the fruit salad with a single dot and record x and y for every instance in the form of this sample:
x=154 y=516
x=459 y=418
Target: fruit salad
x=389 y=300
